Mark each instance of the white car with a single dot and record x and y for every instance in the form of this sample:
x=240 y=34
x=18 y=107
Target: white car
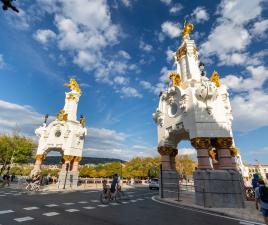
x=154 y=184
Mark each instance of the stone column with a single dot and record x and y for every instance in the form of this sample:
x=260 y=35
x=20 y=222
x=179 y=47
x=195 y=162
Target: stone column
x=168 y=155
x=223 y=146
x=38 y=163
x=169 y=180
x=67 y=160
x=202 y=145
x=77 y=159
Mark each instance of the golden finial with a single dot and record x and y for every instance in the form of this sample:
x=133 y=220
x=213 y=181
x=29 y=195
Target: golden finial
x=212 y=152
x=175 y=77
x=215 y=77
x=62 y=116
x=187 y=28
x=73 y=85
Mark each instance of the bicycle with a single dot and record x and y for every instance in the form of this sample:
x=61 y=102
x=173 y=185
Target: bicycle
x=106 y=195
x=33 y=186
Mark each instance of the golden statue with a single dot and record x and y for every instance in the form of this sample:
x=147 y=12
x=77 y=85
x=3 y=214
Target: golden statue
x=215 y=77
x=212 y=152
x=62 y=116
x=82 y=121
x=176 y=79
x=234 y=151
x=73 y=85
x=187 y=28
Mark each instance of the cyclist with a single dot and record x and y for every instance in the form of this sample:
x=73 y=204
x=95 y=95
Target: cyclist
x=114 y=184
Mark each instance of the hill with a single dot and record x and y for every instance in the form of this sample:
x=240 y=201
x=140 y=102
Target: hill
x=53 y=160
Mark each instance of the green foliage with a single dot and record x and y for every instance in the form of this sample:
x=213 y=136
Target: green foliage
x=185 y=165
x=21 y=170
x=52 y=172
x=15 y=148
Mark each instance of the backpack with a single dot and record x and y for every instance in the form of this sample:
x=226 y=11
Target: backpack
x=264 y=194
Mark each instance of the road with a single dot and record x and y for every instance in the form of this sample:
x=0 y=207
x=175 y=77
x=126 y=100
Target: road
x=83 y=208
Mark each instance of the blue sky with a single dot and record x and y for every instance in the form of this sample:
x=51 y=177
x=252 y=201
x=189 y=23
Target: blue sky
x=120 y=51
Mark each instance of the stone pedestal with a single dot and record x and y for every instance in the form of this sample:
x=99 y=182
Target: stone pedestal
x=169 y=180
x=219 y=189
x=169 y=184
x=70 y=179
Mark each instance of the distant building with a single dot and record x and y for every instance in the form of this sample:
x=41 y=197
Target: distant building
x=251 y=169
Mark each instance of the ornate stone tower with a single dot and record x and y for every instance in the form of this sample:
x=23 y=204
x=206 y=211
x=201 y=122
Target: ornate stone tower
x=66 y=135
x=197 y=109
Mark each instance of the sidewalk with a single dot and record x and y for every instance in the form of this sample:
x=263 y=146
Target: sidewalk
x=248 y=213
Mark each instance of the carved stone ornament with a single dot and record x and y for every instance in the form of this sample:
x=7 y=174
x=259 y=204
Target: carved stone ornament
x=68 y=157
x=224 y=142
x=167 y=150
x=158 y=117
x=212 y=152
x=183 y=103
x=40 y=157
x=200 y=142
x=206 y=91
x=234 y=151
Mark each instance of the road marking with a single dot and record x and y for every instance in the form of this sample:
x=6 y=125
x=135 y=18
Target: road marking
x=94 y=200
x=244 y=222
x=51 y=214
x=22 y=219
x=31 y=208
x=103 y=206
x=89 y=207
x=83 y=202
x=2 y=195
x=72 y=210
x=6 y=211
x=17 y=194
x=44 y=193
x=68 y=203
x=133 y=200
x=140 y=199
x=51 y=205
x=204 y=212
x=114 y=203
x=125 y=202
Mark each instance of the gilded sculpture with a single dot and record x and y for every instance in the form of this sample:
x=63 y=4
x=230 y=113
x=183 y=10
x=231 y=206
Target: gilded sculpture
x=176 y=79
x=215 y=78
x=187 y=29
x=62 y=116
x=82 y=121
x=73 y=85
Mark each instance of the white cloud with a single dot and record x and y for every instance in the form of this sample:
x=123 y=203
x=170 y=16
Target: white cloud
x=2 y=62
x=120 y=80
x=167 y=2
x=108 y=143
x=23 y=117
x=171 y=29
x=258 y=75
x=145 y=47
x=176 y=8
x=43 y=36
x=186 y=151
x=230 y=37
x=260 y=28
x=130 y=92
x=250 y=104
x=200 y=15
x=124 y=54
x=170 y=55
x=250 y=110
x=146 y=85
x=240 y=11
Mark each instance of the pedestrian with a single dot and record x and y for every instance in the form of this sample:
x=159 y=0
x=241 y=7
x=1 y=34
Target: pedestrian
x=261 y=196
x=6 y=179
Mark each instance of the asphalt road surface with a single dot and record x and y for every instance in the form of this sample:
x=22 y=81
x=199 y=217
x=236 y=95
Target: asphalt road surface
x=84 y=208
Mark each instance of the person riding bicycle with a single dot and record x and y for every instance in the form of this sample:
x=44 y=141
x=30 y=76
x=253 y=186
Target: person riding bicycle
x=114 y=183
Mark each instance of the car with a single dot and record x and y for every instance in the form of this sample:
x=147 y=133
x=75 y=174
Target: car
x=154 y=184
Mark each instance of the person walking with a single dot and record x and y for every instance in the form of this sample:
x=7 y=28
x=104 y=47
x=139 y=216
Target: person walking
x=261 y=196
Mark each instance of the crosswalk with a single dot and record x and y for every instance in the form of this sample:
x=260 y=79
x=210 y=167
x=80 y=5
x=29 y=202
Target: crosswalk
x=61 y=208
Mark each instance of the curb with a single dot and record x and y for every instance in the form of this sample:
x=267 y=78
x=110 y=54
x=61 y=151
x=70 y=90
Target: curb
x=202 y=210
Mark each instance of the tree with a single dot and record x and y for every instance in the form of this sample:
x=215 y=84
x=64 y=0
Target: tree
x=185 y=165
x=15 y=148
